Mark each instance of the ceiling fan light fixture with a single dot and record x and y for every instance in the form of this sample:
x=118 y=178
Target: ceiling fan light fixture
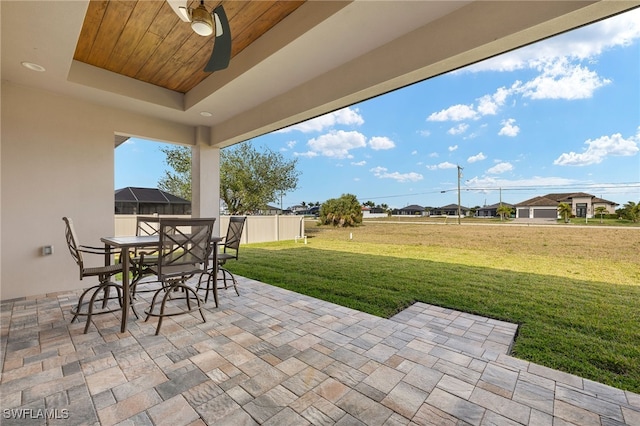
x=201 y=21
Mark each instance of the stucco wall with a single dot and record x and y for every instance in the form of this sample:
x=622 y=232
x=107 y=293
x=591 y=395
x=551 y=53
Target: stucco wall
x=57 y=160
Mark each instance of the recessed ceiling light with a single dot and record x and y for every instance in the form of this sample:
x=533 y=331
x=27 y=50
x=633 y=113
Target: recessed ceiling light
x=206 y=114
x=33 y=67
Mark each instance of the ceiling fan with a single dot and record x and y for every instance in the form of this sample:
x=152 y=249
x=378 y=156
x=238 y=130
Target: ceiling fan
x=204 y=23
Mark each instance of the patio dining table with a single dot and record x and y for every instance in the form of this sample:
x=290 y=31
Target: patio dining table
x=125 y=243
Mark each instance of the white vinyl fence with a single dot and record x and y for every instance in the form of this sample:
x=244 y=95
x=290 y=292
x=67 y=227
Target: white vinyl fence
x=257 y=229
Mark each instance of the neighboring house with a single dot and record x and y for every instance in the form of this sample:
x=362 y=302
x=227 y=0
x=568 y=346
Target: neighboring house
x=270 y=211
x=491 y=211
x=298 y=209
x=450 y=210
x=412 y=210
x=546 y=206
x=132 y=200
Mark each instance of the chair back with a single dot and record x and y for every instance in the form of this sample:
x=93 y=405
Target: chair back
x=147 y=225
x=234 y=234
x=72 y=243
x=186 y=246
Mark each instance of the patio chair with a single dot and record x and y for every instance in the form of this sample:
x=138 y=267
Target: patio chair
x=98 y=294
x=145 y=225
x=185 y=250
x=228 y=250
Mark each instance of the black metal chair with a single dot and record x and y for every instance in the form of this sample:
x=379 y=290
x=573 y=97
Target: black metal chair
x=229 y=249
x=97 y=294
x=143 y=266
x=184 y=252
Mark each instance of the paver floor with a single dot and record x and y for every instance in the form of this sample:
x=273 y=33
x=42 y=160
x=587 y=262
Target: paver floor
x=276 y=357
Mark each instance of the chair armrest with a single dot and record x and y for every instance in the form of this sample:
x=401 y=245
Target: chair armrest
x=97 y=250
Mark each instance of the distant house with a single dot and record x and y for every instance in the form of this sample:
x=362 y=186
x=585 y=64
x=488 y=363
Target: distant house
x=450 y=210
x=412 y=210
x=491 y=211
x=546 y=206
x=133 y=200
x=270 y=211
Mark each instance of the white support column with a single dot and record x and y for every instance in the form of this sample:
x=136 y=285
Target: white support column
x=205 y=178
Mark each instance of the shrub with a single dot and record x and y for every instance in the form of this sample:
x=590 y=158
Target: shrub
x=343 y=211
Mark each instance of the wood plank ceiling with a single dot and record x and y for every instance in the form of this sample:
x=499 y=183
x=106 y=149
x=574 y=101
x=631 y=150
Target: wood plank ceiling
x=147 y=41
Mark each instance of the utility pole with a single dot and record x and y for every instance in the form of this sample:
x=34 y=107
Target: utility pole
x=459 y=177
x=501 y=215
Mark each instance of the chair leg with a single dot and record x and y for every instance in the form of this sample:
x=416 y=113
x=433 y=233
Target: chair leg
x=231 y=277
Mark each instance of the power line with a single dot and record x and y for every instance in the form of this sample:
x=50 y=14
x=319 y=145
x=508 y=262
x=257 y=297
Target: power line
x=609 y=185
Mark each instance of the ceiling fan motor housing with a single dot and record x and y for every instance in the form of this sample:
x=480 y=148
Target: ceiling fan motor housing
x=201 y=21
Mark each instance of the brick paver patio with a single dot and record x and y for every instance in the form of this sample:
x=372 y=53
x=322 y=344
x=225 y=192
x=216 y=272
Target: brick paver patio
x=276 y=357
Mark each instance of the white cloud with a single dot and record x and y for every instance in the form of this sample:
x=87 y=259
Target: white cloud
x=460 y=128
x=337 y=144
x=582 y=44
x=383 y=173
x=308 y=154
x=291 y=144
x=344 y=116
x=478 y=157
x=489 y=104
x=359 y=163
x=425 y=133
x=562 y=80
x=500 y=168
x=454 y=113
x=599 y=149
x=509 y=128
x=381 y=142
x=453 y=148
x=441 y=166
x=414 y=152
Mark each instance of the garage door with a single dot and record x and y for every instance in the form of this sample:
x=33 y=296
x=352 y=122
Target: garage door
x=545 y=214
x=523 y=213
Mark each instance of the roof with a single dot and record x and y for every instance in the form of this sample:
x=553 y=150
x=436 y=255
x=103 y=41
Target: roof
x=495 y=206
x=603 y=201
x=451 y=207
x=557 y=198
x=413 y=207
x=147 y=196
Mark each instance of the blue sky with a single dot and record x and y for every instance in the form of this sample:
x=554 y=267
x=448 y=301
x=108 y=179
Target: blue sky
x=561 y=115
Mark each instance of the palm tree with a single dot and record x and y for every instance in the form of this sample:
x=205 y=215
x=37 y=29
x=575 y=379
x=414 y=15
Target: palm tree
x=601 y=210
x=503 y=211
x=632 y=211
x=564 y=209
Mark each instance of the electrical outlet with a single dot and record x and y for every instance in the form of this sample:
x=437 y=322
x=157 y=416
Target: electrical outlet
x=47 y=250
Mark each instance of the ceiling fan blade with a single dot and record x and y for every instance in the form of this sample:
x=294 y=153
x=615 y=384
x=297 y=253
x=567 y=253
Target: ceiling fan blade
x=180 y=8
x=221 y=54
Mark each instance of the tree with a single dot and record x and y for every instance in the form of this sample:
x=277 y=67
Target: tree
x=601 y=210
x=564 y=209
x=503 y=211
x=177 y=182
x=632 y=211
x=249 y=179
x=343 y=211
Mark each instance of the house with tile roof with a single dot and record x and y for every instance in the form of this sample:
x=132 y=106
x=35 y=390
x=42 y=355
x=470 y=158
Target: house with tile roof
x=134 y=200
x=491 y=211
x=546 y=206
x=451 y=210
x=412 y=210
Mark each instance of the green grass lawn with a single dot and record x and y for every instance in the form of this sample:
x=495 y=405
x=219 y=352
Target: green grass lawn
x=574 y=293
